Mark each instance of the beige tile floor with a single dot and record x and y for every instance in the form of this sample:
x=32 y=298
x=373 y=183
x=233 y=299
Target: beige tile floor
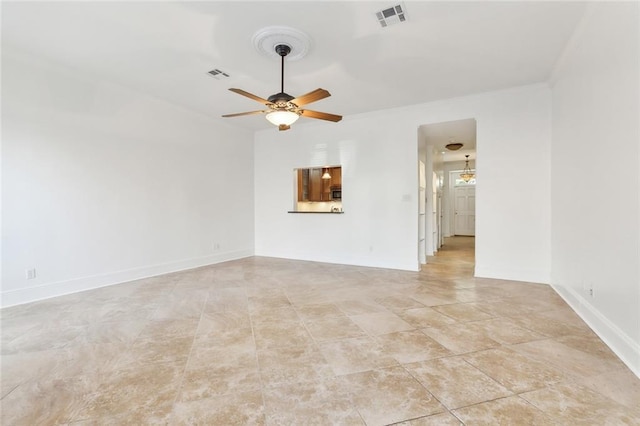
x=281 y=342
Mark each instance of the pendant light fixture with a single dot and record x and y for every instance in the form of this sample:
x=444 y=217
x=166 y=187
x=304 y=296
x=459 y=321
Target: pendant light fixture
x=326 y=174
x=467 y=174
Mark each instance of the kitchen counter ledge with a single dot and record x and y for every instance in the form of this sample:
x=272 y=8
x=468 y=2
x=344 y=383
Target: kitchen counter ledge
x=317 y=212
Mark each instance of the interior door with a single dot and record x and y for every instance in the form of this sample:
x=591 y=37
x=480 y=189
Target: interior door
x=465 y=210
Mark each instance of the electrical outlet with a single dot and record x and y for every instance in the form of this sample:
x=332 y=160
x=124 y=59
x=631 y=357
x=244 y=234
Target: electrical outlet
x=591 y=289
x=30 y=273
x=216 y=246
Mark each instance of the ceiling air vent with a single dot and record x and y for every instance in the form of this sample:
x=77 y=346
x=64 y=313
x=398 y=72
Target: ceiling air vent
x=392 y=15
x=218 y=74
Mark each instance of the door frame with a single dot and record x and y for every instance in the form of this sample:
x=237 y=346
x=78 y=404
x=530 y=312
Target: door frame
x=453 y=174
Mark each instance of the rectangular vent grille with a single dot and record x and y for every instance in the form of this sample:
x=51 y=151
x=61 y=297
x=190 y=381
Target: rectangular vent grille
x=218 y=74
x=392 y=15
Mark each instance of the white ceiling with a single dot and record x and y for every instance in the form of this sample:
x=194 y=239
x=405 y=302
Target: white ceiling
x=445 y=49
x=437 y=135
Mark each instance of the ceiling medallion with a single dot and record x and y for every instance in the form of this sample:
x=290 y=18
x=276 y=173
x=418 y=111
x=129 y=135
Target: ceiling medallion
x=266 y=39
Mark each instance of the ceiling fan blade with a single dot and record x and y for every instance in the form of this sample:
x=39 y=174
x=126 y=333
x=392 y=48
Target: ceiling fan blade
x=314 y=96
x=283 y=127
x=244 y=113
x=250 y=96
x=321 y=115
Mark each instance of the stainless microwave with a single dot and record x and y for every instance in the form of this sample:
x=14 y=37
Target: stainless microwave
x=336 y=194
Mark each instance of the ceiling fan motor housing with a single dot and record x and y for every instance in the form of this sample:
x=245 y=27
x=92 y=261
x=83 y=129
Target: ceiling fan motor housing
x=280 y=98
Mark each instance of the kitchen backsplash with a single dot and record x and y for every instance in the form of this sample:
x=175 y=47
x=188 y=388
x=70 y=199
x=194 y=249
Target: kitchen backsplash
x=318 y=206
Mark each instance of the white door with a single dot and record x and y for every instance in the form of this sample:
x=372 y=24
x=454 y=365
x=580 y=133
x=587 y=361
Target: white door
x=434 y=213
x=440 y=232
x=465 y=210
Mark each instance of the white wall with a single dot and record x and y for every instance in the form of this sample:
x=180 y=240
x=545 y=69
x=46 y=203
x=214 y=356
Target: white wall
x=379 y=190
x=379 y=155
x=101 y=184
x=595 y=238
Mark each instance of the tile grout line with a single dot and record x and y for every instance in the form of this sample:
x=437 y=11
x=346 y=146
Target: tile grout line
x=257 y=359
x=186 y=364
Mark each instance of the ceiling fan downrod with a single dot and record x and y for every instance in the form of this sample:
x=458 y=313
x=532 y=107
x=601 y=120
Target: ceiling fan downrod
x=282 y=97
x=282 y=50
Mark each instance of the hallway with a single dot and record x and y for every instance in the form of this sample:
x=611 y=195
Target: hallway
x=457 y=255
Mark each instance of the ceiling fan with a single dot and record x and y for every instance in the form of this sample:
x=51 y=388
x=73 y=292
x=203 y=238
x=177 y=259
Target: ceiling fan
x=283 y=109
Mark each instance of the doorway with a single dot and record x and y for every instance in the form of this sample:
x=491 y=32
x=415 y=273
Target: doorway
x=464 y=209
x=444 y=149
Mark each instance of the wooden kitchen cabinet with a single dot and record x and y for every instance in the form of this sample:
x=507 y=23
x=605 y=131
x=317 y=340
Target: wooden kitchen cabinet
x=336 y=176
x=310 y=185
x=303 y=184
x=316 y=188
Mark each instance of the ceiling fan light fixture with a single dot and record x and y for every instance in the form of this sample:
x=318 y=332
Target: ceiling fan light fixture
x=279 y=118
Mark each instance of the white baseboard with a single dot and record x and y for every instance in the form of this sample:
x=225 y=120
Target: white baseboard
x=526 y=275
x=619 y=342
x=60 y=288
x=366 y=261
